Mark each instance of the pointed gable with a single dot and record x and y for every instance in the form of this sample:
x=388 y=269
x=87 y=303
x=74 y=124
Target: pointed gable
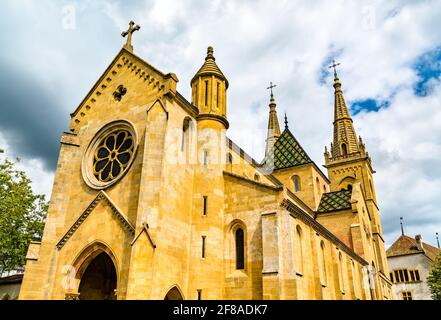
x=141 y=71
x=286 y=152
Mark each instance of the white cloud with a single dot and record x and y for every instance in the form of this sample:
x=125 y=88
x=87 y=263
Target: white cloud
x=42 y=179
x=286 y=42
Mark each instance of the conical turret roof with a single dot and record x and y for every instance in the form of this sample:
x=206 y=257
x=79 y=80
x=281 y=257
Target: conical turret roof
x=210 y=68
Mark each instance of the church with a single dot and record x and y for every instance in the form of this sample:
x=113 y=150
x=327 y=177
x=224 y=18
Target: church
x=152 y=200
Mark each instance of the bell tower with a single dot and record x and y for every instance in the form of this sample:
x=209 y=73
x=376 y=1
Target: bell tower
x=348 y=162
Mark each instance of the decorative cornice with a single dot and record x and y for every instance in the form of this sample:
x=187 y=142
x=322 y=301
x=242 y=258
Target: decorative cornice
x=115 y=210
x=209 y=116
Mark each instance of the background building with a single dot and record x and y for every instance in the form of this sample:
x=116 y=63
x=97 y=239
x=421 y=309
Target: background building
x=10 y=283
x=410 y=260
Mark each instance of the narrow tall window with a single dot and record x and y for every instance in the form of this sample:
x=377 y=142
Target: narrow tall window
x=323 y=263
x=205 y=206
x=217 y=94
x=417 y=275
x=199 y=294
x=300 y=249
x=205 y=157
x=344 y=149
x=195 y=102
x=206 y=92
x=185 y=134
x=240 y=250
x=203 y=246
x=397 y=276
x=296 y=183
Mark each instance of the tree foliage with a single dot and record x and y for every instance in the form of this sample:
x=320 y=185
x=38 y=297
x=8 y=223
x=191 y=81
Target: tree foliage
x=22 y=215
x=434 y=279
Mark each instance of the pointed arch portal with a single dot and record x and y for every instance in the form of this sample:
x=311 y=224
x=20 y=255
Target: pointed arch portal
x=98 y=281
x=174 y=294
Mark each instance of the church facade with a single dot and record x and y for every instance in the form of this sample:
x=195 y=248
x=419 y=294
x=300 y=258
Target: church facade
x=151 y=200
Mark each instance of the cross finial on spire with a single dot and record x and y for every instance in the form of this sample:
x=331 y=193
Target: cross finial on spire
x=333 y=65
x=401 y=223
x=271 y=88
x=286 y=121
x=128 y=33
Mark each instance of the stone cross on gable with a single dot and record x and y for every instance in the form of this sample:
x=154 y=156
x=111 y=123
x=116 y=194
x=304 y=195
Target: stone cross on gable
x=128 y=33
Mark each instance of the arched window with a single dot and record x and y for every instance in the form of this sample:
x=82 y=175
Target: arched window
x=299 y=249
x=240 y=249
x=350 y=187
x=256 y=177
x=296 y=183
x=324 y=188
x=354 y=278
x=344 y=149
x=323 y=263
x=187 y=128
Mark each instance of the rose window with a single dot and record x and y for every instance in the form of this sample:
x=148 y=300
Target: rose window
x=110 y=154
x=113 y=155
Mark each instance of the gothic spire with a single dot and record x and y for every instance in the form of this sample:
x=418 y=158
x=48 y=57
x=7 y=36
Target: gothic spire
x=345 y=139
x=273 y=123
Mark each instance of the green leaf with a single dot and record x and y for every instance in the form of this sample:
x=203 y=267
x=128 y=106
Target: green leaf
x=22 y=215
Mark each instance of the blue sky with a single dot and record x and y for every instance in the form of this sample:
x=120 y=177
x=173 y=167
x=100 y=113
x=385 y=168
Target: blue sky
x=53 y=52
x=428 y=68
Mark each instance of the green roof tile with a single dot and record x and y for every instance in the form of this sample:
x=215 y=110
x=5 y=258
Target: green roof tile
x=286 y=152
x=333 y=201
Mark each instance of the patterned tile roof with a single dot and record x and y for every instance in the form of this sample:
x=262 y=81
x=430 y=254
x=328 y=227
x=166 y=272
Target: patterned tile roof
x=286 y=152
x=407 y=245
x=333 y=201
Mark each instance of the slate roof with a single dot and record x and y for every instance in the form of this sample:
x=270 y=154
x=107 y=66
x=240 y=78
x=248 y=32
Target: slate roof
x=405 y=245
x=334 y=201
x=286 y=152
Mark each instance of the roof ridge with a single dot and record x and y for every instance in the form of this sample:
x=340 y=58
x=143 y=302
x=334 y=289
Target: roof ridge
x=345 y=190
